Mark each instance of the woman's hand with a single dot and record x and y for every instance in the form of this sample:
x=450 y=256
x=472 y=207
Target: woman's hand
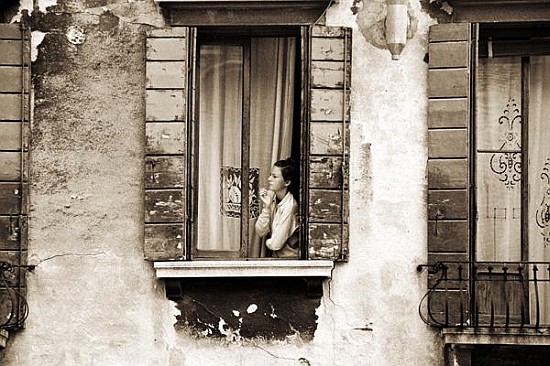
x=266 y=196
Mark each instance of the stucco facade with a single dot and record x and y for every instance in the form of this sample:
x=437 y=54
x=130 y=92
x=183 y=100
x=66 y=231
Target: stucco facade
x=94 y=300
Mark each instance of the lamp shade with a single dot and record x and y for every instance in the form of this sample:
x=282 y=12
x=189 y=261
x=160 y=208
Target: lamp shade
x=397 y=21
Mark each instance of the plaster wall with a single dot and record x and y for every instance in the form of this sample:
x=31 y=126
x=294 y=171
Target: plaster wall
x=95 y=301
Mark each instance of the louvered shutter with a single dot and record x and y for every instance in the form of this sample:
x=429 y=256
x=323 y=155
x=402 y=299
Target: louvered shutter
x=14 y=124
x=449 y=79
x=166 y=147
x=328 y=145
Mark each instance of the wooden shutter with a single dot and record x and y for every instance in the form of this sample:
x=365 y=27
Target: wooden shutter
x=14 y=125
x=166 y=148
x=449 y=80
x=328 y=146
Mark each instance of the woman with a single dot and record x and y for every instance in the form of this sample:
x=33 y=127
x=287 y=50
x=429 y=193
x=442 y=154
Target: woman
x=278 y=216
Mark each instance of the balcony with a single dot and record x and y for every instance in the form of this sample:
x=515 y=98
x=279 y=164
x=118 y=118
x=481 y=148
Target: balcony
x=498 y=296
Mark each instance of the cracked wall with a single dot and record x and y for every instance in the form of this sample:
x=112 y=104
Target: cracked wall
x=94 y=300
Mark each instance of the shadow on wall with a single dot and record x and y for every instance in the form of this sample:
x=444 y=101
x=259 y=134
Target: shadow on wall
x=8 y=9
x=270 y=308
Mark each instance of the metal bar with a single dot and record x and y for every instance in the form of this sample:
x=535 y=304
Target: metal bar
x=537 y=300
x=245 y=155
x=192 y=145
x=305 y=50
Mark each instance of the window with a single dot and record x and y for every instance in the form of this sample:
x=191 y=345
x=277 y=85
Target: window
x=225 y=103
x=489 y=209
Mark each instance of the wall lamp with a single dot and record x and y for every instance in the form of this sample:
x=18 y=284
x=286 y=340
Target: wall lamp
x=396 y=24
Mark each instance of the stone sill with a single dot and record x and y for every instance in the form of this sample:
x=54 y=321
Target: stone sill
x=531 y=337
x=258 y=268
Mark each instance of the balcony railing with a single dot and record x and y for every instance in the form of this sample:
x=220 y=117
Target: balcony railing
x=487 y=294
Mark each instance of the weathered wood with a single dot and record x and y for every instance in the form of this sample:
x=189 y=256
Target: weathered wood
x=11 y=79
x=448 y=83
x=164 y=171
x=457 y=270
x=328 y=138
x=165 y=138
x=11 y=52
x=326 y=172
x=12 y=200
x=325 y=241
x=451 y=204
x=10 y=31
x=329 y=74
x=165 y=75
x=448 y=143
x=328 y=49
x=449 y=32
x=10 y=135
x=13 y=257
x=13 y=232
x=448 y=236
x=10 y=107
x=327 y=205
x=10 y=166
x=449 y=54
x=164 y=242
x=329 y=104
x=165 y=105
x=166 y=49
x=448 y=113
x=447 y=173
x=164 y=206
x=330 y=32
x=447 y=306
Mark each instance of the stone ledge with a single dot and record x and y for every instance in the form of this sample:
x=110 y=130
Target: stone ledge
x=258 y=268
x=531 y=337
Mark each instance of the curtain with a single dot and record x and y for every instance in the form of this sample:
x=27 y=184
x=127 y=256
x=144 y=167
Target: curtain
x=539 y=178
x=498 y=160
x=272 y=68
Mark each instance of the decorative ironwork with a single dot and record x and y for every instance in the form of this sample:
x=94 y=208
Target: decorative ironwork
x=507 y=164
x=13 y=305
x=487 y=294
x=543 y=211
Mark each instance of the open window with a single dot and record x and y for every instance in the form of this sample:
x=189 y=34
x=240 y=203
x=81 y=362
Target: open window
x=224 y=104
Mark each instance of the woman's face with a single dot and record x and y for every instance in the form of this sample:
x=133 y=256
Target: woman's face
x=276 y=181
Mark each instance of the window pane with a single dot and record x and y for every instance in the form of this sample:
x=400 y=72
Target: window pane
x=498 y=159
x=220 y=125
x=271 y=113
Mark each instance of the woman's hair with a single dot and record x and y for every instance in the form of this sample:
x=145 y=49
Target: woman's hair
x=289 y=170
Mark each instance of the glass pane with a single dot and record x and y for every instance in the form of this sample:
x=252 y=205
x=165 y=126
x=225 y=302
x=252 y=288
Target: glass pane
x=220 y=126
x=271 y=114
x=498 y=159
x=539 y=177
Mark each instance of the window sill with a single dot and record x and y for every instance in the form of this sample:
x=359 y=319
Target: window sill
x=493 y=336
x=258 y=268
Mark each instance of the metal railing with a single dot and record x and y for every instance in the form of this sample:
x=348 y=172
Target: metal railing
x=487 y=294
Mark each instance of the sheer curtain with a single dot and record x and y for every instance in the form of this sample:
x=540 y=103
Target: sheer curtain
x=271 y=115
x=539 y=176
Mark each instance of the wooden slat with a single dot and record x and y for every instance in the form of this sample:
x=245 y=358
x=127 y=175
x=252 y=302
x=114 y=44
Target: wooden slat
x=13 y=257
x=10 y=52
x=165 y=105
x=10 y=107
x=325 y=241
x=328 y=74
x=327 y=49
x=11 y=78
x=328 y=104
x=449 y=54
x=450 y=302
x=164 y=49
x=457 y=270
x=326 y=172
x=164 y=242
x=13 y=233
x=449 y=32
x=448 y=113
x=444 y=83
x=447 y=173
x=164 y=171
x=327 y=138
x=448 y=236
x=10 y=198
x=10 y=31
x=164 y=206
x=10 y=166
x=325 y=205
x=451 y=204
x=165 y=138
x=10 y=135
x=165 y=75
x=448 y=143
